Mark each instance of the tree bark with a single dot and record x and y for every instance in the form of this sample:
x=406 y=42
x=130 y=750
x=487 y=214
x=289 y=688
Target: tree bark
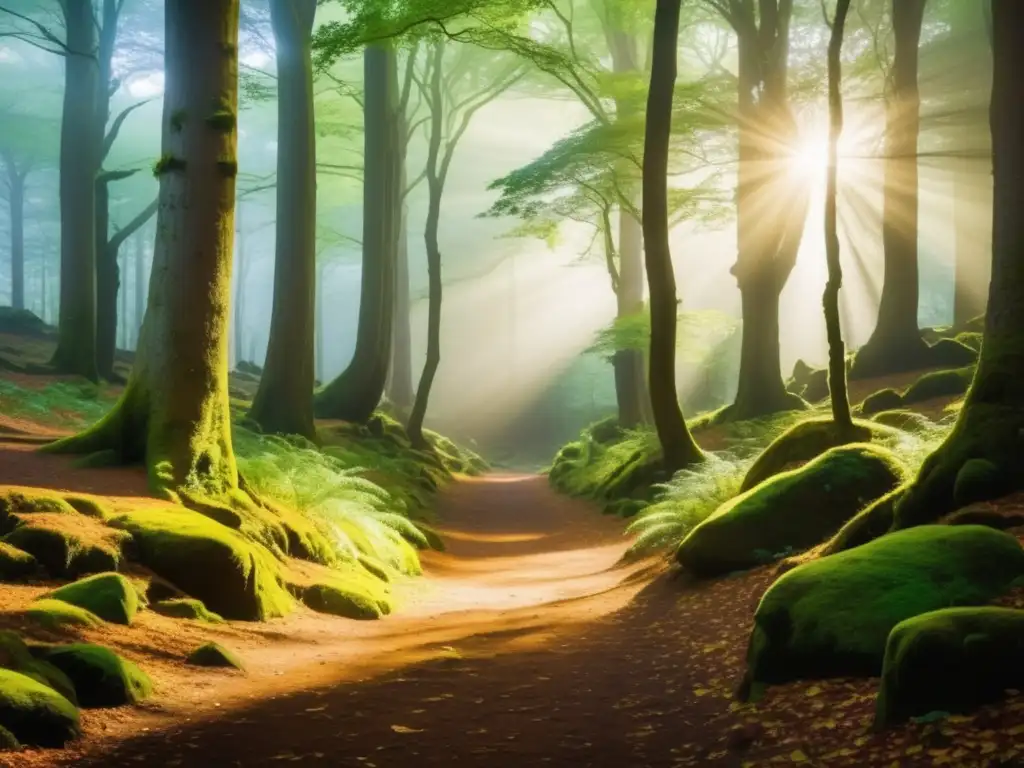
x=140 y=286
x=990 y=425
x=16 y=208
x=399 y=389
x=284 y=399
x=896 y=343
x=677 y=444
x=836 y=349
x=79 y=163
x=173 y=414
x=357 y=391
x=242 y=271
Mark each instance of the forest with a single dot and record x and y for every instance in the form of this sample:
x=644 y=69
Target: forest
x=511 y=382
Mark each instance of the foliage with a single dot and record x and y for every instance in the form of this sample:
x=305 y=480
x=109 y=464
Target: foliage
x=58 y=404
x=699 y=334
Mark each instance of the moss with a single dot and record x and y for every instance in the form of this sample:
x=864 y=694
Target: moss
x=214 y=655
x=16 y=656
x=947 y=383
x=832 y=617
x=223 y=119
x=68 y=547
x=34 y=713
x=227 y=166
x=971 y=339
x=790 y=512
x=882 y=400
x=232 y=576
x=8 y=741
x=907 y=421
x=108 y=595
x=18 y=507
x=804 y=441
x=16 y=564
x=375 y=567
x=101 y=677
x=88 y=506
x=872 y=522
x=951 y=660
x=186 y=608
x=978 y=480
x=168 y=163
x=98 y=460
x=952 y=353
x=343 y=600
x=55 y=614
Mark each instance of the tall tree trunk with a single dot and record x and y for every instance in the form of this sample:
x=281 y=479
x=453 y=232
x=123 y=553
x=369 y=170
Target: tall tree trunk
x=108 y=281
x=991 y=422
x=140 y=286
x=677 y=444
x=321 y=276
x=79 y=162
x=284 y=399
x=44 y=290
x=896 y=343
x=123 y=292
x=399 y=389
x=173 y=414
x=242 y=271
x=16 y=204
x=836 y=348
x=354 y=394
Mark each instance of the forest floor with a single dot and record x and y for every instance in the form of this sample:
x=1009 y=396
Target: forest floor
x=527 y=642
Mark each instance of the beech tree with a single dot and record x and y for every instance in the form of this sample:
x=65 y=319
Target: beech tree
x=174 y=414
x=677 y=444
x=284 y=399
x=986 y=440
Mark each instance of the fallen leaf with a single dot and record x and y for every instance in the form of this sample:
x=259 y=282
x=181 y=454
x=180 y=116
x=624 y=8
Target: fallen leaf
x=405 y=729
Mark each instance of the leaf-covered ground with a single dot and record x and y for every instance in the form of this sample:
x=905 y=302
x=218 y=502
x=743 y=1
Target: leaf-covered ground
x=636 y=673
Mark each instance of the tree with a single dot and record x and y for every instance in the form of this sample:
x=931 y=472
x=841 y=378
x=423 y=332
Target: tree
x=357 y=391
x=284 y=399
x=174 y=414
x=450 y=117
x=771 y=205
x=896 y=342
x=13 y=181
x=677 y=444
x=836 y=349
x=985 y=442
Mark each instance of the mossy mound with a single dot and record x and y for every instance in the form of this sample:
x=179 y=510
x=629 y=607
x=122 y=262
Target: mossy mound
x=186 y=608
x=34 y=713
x=214 y=655
x=88 y=506
x=234 y=577
x=805 y=441
x=23 y=322
x=101 y=677
x=108 y=595
x=978 y=480
x=54 y=614
x=15 y=656
x=341 y=600
x=949 y=383
x=816 y=388
x=873 y=521
x=16 y=564
x=8 y=741
x=626 y=467
x=882 y=400
x=953 y=353
x=951 y=660
x=17 y=505
x=906 y=421
x=832 y=617
x=69 y=545
x=790 y=512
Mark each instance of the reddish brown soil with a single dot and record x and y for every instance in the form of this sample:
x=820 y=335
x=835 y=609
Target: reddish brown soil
x=523 y=646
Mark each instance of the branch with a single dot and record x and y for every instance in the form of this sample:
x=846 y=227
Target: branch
x=105 y=177
x=114 y=243
x=44 y=34
x=115 y=128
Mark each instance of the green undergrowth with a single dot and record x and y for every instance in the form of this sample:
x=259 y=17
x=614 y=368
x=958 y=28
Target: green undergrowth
x=57 y=404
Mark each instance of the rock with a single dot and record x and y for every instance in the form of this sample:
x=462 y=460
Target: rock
x=186 y=608
x=101 y=677
x=339 y=601
x=907 y=421
x=35 y=714
x=62 y=553
x=55 y=614
x=15 y=656
x=883 y=400
x=8 y=742
x=233 y=576
x=108 y=595
x=214 y=655
x=949 y=383
x=16 y=564
x=791 y=512
x=951 y=660
x=832 y=617
x=978 y=480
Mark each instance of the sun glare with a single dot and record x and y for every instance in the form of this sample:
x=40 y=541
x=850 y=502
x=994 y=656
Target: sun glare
x=811 y=157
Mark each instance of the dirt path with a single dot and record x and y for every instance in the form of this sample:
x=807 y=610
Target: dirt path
x=524 y=646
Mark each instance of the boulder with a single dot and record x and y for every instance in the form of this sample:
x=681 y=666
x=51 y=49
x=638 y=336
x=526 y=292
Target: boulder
x=214 y=655
x=34 y=713
x=108 y=595
x=101 y=677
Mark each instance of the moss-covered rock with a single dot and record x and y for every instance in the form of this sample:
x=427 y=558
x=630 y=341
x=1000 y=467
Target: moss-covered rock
x=906 y=421
x=17 y=505
x=8 y=741
x=971 y=339
x=234 y=577
x=15 y=656
x=949 y=383
x=872 y=522
x=16 y=564
x=790 y=512
x=101 y=677
x=214 y=655
x=35 y=713
x=89 y=506
x=186 y=608
x=108 y=595
x=951 y=660
x=816 y=386
x=952 y=353
x=882 y=400
x=66 y=548
x=832 y=617
x=978 y=480
x=805 y=441
x=55 y=614
x=341 y=600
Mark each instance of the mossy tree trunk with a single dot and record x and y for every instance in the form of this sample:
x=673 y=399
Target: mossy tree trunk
x=989 y=431
x=357 y=391
x=677 y=444
x=241 y=279
x=771 y=203
x=14 y=181
x=830 y=300
x=896 y=342
x=173 y=414
x=79 y=163
x=284 y=400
